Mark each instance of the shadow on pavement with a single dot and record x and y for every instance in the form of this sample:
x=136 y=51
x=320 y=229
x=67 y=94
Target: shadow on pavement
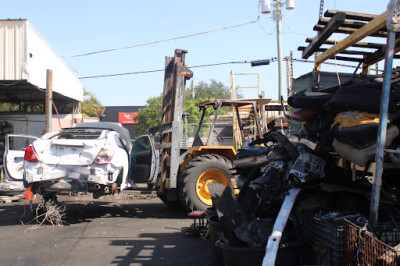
x=163 y=249
x=78 y=212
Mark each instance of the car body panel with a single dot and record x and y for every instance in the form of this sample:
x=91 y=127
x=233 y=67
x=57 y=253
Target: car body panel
x=68 y=152
x=123 y=132
x=13 y=159
x=101 y=174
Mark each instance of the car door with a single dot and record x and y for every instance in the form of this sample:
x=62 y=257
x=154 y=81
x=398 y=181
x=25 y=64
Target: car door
x=13 y=158
x=144 y=160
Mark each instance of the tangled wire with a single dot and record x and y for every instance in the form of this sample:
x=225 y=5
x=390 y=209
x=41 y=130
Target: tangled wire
x=50 y=211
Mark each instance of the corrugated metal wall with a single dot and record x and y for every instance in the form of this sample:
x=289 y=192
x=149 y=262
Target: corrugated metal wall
x=12 y=49
x=25 y=55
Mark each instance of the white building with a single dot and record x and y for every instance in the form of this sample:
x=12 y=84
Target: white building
x=25 y=58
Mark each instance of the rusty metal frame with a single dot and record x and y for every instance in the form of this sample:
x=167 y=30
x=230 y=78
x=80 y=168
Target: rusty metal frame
x=171 y=130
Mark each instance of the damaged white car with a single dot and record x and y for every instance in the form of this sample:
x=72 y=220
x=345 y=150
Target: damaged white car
x=89 y=157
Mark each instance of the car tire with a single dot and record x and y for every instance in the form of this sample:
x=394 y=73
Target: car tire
x=24 y=182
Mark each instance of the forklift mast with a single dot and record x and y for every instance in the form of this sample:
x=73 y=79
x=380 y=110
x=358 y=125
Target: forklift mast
x=171 y=129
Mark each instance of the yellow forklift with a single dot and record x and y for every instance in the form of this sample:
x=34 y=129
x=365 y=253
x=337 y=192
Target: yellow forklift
x=181 y=174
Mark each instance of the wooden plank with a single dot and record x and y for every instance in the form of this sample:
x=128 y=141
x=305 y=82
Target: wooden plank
x=352 y=52
x=358 y=35
x=347 y=30
x=347 y=59
x=346 y=23
x=380 y=55
x=352 y=15
x=324 y=34
x=357 y=44
x=348 y=52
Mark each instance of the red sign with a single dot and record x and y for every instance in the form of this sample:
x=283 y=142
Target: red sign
x=127 y=118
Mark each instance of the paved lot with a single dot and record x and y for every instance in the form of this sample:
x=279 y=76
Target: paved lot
x=119 y=230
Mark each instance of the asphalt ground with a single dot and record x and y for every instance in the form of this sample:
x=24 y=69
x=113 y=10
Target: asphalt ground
x=126 y=229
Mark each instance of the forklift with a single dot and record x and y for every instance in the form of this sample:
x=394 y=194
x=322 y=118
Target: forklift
x=181 y=174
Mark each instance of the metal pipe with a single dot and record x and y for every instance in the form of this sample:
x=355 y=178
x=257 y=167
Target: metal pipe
x=211 y=131
x=259 y=132
x=271 y=250
x=383 y=119
x=197 y=140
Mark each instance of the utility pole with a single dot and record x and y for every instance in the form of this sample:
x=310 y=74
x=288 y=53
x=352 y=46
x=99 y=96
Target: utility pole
x=266 y=7
x=278 y=18
x=49 y=100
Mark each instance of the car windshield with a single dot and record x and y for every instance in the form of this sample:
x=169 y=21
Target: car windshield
x=79 y=134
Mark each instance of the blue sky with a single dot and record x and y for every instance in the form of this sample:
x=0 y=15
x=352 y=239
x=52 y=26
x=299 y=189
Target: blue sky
x=80 y=26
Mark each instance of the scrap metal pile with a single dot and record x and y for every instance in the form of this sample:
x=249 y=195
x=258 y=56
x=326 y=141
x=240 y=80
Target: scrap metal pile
x=306 y=199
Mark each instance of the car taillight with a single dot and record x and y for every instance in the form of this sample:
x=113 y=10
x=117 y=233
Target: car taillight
x=30 y=154
x=104 y=157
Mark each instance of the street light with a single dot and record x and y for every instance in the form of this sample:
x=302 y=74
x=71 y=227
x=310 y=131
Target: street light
x=266 y=8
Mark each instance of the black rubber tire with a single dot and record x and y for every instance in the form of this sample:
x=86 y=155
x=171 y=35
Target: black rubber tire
x=24 y=182
x=171 y=203
x=191 y=173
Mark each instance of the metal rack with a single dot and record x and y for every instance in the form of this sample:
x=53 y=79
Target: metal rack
x=358 y=26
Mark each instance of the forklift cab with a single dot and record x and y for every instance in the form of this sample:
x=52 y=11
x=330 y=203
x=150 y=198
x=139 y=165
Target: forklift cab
x=244 y=130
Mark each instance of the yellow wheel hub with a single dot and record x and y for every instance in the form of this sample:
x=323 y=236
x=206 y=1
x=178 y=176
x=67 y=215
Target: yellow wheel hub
x=209 y=176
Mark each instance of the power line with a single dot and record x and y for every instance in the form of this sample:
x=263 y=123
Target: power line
x=160 y=70
x=219 y=64
x=140 y=29
x=160 y=41
x=121 y=74
x=271 y=60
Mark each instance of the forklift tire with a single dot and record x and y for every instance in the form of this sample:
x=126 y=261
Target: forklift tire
x=198 y=173
x=170 y=203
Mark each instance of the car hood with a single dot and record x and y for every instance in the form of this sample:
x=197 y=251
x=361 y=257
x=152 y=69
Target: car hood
x=68 y=151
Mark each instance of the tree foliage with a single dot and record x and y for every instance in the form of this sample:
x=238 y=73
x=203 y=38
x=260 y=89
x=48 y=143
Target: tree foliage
x=91 y=107
x=150 y=116
x=213 y=90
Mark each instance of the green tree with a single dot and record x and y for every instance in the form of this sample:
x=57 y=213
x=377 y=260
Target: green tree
x=213 y=90
x=91 y=107
x=150 y=116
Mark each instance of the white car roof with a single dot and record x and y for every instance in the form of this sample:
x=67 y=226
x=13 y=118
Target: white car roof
x=123 y=132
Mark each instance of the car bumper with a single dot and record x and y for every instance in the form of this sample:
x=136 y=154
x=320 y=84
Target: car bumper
x=96 y=174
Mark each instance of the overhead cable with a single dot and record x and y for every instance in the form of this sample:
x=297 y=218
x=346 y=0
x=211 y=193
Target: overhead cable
x=273 y=59
x=121 y=74
x=160 y=41
x=160 y=70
